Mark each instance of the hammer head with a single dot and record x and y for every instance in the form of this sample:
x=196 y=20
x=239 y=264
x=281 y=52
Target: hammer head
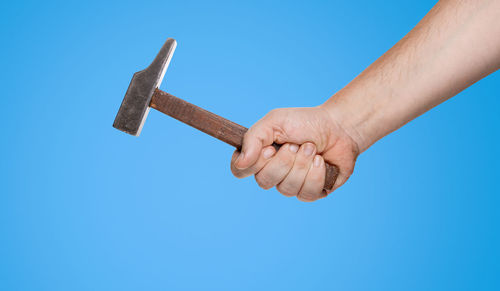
x=135 y=105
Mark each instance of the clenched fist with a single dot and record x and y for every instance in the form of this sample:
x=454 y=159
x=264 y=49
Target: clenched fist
x=434 y=62
x=310 y=136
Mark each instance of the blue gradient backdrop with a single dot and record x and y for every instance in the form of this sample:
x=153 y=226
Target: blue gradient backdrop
x=86 y=207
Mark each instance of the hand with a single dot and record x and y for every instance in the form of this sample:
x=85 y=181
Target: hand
x=434 y=62
x=309 y=137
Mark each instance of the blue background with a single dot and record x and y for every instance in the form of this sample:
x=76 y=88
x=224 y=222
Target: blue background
x=86 y=207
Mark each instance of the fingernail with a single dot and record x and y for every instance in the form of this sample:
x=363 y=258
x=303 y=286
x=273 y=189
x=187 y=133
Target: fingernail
x=293 y=148
x=317 y=161
x=309 y=149
x=268 y=152
x=238 y=159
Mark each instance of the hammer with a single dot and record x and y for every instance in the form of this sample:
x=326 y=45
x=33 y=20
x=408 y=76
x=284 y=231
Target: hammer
x=143 y=94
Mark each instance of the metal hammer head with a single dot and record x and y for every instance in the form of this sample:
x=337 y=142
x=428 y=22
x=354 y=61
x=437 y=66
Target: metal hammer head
x=135 y=105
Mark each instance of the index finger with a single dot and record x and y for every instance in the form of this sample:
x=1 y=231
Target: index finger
x=254 y=140
x=266 y=154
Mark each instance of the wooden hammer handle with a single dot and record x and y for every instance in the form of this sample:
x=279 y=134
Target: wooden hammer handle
x=216 y=126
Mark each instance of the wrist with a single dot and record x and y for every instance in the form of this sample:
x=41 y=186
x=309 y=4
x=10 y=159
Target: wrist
x=355 y=119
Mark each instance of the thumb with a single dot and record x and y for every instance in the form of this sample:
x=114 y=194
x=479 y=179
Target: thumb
x=257 y=137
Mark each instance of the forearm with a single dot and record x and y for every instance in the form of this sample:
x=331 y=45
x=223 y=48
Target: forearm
x=455 y=45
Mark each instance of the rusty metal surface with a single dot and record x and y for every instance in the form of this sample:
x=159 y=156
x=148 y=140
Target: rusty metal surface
x=135 y=105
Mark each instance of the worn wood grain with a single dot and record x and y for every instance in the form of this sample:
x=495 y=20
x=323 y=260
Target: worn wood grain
x=215 y=125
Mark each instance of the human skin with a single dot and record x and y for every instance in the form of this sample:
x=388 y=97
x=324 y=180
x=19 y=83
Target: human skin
x=456 y=44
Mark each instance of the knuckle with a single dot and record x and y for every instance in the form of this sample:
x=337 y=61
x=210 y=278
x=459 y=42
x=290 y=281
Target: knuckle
x=286 y=190
x=316 y=178
x=286 y=160
x=309 y=194
x=306 y=197
x=235 y=172
x=301 y=163
x=263 y=181
x=239 y=173
x=247 y=135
